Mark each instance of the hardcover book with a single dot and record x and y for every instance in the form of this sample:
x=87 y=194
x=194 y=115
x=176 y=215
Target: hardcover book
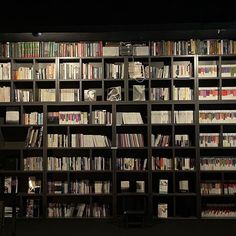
x=12 y=115
x=162 y=210
x=163 y=186
x=139 y=93
x=90 y=95
x=140 y=186
x=114 y=94
x=124 y=186
x=34 y=185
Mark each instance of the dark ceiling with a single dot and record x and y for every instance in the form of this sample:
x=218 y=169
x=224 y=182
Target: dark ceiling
x=72 y=15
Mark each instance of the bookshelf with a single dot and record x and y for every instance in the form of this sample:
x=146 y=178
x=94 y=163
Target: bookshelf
x=89 y=130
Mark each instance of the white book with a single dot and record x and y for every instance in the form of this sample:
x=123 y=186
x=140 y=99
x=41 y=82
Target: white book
x=124 y=185
x=163 y=186
x=140 y=186
x=183 y=186
x=162 y=210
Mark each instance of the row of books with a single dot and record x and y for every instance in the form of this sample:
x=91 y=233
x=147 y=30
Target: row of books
x=193 y=46
x=45 y=71
x=207 y=71
x=79 y=187
x=47 y=95
x=182 y=93
x=217 y=211
x=130 y=140
x=160 y=94
x=11 y=184
x=114 y=71
x=67 y=117
x=33 y=163
x=183 y=117
x=209 y=139
x=101 y=117
x=88 y=140
x=23 y=73
x=217 y=163
x=78 y=163
x=33 y=118
x=66 y=210
x=217 y=116
x=69 y=95
x=229 y=139
x=92 y=70
x=115 y=94
x=131 y=163
x=213 y=140
x=69 y=71
x=34 y=137
x=157 y=70
x=129 y=118
x=162 y=163
x=179 y=163
x=5 y=71
x=23 y=95
x=182 y=140
x=87 y=187
x=218 y=188
x=96 y=49
x=211 y=188
x=160 y=117
x=57 y=140
x=50 y=49
x=214 y=93
x=160 y=140
x=79 y=117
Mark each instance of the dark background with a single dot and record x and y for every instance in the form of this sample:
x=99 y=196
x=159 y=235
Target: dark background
x=113 y=15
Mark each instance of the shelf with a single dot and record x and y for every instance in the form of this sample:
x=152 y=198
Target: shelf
x=176 y=218
x=79 y=125
x=218 y=196
x=13 y=136
x=80 y=171
x=79 y=195
x=131 y=194
x=132 y=171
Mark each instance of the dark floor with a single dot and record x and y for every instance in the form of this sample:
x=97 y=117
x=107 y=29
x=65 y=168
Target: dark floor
x=89 y=228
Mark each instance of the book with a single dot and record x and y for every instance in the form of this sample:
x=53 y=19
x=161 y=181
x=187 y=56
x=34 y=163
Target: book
x=34 y=185
x=183 y=186
x=110 y=51
x=163 y=186
x=124 y=186
x=8 y=184
x=114 y=94
x=90 y=95
x=140 y=186
x=162 y=210
x=139 y=93
x=12 y=115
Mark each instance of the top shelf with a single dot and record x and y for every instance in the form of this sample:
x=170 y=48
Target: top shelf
x=99 y=50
